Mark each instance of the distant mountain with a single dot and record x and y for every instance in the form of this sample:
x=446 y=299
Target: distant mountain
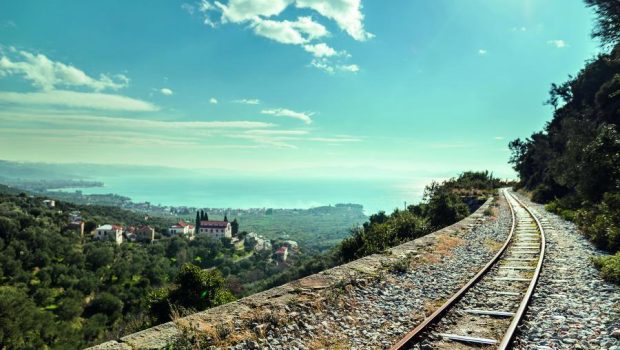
x=32 y=171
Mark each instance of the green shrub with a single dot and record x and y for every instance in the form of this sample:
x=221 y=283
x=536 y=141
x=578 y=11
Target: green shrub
x=601 y=222
x=401 y=266
x=552 y=206
x=567 y=214
x=609 y=266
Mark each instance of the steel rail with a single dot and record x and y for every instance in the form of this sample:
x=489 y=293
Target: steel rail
x=520 y=313
x=413 y=335
x=436 y=316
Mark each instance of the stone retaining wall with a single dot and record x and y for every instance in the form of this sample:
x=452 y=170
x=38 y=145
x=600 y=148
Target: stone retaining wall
x=159 y=337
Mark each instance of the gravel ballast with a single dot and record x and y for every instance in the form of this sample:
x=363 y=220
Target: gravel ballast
x=375 y=313
x=572 y=308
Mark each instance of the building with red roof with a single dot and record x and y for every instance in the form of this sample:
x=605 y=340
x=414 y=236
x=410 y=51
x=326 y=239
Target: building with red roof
x=182 y=228
x=111 y=232
x=216 y=229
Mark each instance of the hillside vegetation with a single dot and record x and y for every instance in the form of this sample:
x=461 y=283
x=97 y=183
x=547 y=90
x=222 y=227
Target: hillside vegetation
x=574 y=163
x=62 y=291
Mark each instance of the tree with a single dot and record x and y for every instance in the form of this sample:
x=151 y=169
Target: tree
x=194 y=288
x=21 y=322
x=107 y=304
x=235 y=227
x=225 y=218
x=99 y=255
x=70 y=307
x=197 y=226
x=444 y=206
x=607 y=27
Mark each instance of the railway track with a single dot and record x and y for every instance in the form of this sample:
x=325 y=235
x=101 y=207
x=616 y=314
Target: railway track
x=485 y=313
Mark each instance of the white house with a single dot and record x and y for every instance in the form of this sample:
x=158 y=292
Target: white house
x=182 y=229
x=111 y=232
x=216 y=229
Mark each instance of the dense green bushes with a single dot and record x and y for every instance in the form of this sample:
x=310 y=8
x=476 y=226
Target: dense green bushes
x=443 y=205
x=194 y=289
x=609 y=266
x=601 y=222
x=574 y=164
x=62 y=291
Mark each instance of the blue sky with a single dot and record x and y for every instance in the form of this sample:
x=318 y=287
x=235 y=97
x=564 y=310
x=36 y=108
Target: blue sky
x=319 y=88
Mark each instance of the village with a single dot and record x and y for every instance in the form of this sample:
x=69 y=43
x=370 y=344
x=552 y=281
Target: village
x=215 y=229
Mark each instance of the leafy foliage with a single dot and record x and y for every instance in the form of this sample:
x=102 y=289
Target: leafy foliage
x=574 y=163
x=608 y=20
x=194 y=289
x=444 y=204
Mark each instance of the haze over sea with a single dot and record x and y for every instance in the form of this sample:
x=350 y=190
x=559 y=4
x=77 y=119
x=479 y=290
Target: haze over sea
x=252 y=192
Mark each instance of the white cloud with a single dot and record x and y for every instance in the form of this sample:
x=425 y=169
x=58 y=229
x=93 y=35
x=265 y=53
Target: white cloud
x=312 y=29
x=558 y=43
x=346 y=13
x=166 y=92
x=246 y=101
x=320 y=50
x=47 y=74
x=277 y=132
x=354 y=68
x=287 y=113
x=73 y=99
x=325 y=65
x=260 y=14
x=282 y=32
x=519 y=29
x=213 y=101
x=237 y=11
x=299 y=32
x=498 y=138
x=74 y=120
x=482 y=52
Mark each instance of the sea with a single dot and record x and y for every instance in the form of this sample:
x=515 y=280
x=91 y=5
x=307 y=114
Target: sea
x=249 y=192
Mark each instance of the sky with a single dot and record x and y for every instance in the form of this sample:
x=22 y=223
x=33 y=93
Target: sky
x=313 y=88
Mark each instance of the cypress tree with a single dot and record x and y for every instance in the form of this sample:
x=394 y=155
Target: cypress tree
x=197 y=227
x=225 y=218
x=235 y=227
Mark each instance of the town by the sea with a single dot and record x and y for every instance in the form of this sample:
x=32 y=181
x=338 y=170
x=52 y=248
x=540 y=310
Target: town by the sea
x=246 y=192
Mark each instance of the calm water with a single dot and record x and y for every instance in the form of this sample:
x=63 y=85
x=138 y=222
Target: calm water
x=258 y=193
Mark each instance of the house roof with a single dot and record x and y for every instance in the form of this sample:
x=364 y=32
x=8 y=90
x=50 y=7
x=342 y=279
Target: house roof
x=182 y=224
x=214 y=224
x=109 y=227
x=282 y=250
x=147 y=229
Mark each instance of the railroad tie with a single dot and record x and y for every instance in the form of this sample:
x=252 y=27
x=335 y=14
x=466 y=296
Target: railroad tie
x=514 y=294
x=490 y=313
x=516 y=279
x=517 y=268
x=466 y=339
